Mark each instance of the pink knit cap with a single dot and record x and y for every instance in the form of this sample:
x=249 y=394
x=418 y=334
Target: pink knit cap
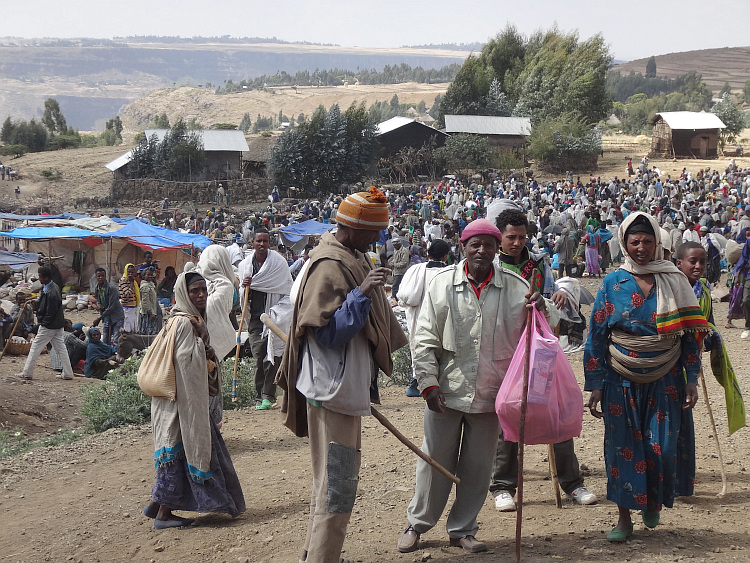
x=480 y=227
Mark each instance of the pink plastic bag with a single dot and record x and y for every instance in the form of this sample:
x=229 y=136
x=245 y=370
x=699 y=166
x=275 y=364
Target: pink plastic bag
x=554 y=411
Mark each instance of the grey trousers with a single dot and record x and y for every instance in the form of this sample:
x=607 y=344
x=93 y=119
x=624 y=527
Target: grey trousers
x=335 y=443
x=464 y=444
x=505 y=471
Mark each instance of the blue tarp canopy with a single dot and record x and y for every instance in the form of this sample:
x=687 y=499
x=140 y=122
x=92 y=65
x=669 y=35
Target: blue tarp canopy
x=18 y=260
x=305 y=229
x=14 y=217
x=135 y=232
x=37 y=233
x=156 y=238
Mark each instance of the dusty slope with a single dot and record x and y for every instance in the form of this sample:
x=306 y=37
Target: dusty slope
x=717 y=66
x=82 y=502
x=209 y=108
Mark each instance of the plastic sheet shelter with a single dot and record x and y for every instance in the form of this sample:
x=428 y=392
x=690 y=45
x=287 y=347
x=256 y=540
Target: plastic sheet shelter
x=295 y=236
x=82 y=251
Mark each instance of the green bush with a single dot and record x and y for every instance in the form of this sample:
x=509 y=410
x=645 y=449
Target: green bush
x=245 y=383
x=118 y=401
x=14 y=150
x=402 y=373
x=50 y=174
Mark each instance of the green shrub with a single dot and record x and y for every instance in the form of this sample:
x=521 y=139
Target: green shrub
x=50 y=174
x=245 y=383
x=14 y=150
x=118 y=400
x=402 y=373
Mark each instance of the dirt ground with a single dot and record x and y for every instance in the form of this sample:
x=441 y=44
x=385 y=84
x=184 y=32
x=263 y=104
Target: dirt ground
x=82 y=502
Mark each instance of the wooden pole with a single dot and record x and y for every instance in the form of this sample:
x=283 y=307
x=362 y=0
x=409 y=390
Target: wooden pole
x=405 y=441
x=273 y=327
x=521 y=432
x=553 y=471
x=239 y=343
x=716 y=437
x=18 y=320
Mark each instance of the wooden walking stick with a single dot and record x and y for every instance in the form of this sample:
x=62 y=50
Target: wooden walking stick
x=716 y=437
x=521 y=432
x=18 y=320
x=273 y=327
x=239 y=343
x=553 y=471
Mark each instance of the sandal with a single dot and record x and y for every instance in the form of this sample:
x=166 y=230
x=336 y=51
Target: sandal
x=650 y=518
x=619 y=536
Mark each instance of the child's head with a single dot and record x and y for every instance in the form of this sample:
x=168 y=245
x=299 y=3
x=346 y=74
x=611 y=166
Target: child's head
x=691 y=260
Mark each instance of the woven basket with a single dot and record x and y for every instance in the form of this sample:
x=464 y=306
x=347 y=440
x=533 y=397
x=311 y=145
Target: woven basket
x=16 y=349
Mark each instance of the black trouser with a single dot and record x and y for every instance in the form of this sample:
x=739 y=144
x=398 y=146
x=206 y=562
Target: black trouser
x=505 y=470
x=265 y=371
x=568 y=270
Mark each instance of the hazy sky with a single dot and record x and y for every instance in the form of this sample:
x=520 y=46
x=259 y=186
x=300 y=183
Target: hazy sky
x=633 y=29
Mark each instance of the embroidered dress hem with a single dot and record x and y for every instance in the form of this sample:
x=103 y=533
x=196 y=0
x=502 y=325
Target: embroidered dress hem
x=175 y=488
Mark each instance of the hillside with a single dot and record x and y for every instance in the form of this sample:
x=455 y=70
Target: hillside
x=717 y=66
x=94 y=82
x=209 y=108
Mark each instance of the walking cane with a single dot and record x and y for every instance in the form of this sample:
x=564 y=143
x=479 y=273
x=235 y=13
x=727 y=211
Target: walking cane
x=521 y=432
x=716 y=437
x=553 y=471
x=239 y=342
x=20 y=314
x=273 y=327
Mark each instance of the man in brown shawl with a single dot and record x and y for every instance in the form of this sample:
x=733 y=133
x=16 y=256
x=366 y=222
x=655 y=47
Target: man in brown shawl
x=343 y=330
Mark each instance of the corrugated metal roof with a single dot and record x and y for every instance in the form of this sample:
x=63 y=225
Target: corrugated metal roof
x=120 y=161
x=488 y=125
x=392 y=124
x=213 y=139
x=217 y=140
x=691 y=120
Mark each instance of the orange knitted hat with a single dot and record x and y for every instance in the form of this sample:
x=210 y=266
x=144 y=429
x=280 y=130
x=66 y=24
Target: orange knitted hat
x=364 y=210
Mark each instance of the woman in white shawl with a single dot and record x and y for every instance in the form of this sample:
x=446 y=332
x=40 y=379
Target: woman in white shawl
x=215 y=267
x=193 y=469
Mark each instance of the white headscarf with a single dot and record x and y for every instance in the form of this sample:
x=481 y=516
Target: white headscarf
x=215 y=267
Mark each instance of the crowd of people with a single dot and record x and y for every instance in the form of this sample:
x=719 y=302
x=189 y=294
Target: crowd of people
x=465 y=261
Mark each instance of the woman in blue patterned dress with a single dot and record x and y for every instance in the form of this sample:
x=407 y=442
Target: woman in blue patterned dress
x=642 y=362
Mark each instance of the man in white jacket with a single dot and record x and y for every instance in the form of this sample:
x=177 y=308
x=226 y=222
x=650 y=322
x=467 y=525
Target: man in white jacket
x=467 y=332
x=411 y=294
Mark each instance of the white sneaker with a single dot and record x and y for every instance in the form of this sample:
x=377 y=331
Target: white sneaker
x=583 y=496
x=745 y=334
x=504 y=502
